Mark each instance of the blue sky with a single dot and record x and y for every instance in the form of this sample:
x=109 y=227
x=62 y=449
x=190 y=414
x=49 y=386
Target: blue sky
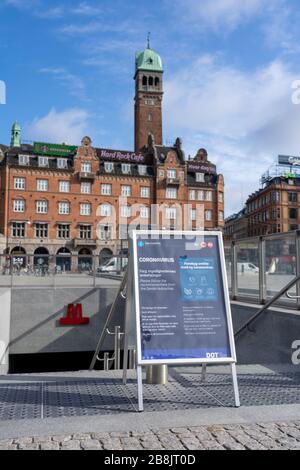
x=229 y=70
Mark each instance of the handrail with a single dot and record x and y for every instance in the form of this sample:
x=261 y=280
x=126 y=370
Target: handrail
x=265 y=307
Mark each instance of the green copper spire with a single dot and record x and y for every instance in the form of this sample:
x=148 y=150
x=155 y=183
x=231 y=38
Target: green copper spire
x=148 y=60
x=16 y=135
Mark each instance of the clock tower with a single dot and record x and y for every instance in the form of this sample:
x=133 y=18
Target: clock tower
x=148 y=97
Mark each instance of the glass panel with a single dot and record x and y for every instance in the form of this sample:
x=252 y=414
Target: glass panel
x=248 y=268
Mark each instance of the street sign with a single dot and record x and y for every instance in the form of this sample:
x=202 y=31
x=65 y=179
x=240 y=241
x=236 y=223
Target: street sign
x=180 y=299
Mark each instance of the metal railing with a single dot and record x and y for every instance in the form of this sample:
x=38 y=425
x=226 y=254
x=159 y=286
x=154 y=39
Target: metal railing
x=259 y=268
x=39 y=269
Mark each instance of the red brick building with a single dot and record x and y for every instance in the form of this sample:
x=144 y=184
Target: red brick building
x=58 y=199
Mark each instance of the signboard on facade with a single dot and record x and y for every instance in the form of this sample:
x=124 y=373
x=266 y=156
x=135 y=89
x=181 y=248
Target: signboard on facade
x=288 y=160
x=197 y=167
x=119 y=155
x=181 y=300
x=54 y=150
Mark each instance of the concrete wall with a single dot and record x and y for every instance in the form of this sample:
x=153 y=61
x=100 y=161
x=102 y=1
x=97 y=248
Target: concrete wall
x=271 y=338
x=5 y=302
x=35 y=319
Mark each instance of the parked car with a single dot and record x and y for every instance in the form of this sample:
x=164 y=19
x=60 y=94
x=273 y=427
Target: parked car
x=115 y=264
x=247 y=268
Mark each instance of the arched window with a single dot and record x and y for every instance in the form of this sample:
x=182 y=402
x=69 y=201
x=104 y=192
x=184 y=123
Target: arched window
x=144 y=80
x=151 y=81
x=156 y=81
x=106 y=210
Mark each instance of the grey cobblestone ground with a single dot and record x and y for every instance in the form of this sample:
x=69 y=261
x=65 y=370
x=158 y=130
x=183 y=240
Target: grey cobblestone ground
x=272 y=436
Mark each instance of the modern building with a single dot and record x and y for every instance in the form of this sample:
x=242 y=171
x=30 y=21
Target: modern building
x=60 y=200
x=236 y=226
x=275 y=207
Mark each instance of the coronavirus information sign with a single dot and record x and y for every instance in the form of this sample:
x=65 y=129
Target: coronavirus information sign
x=179 y=297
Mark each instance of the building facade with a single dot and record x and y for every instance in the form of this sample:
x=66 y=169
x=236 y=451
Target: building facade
x=236 y=226
x=59 y=200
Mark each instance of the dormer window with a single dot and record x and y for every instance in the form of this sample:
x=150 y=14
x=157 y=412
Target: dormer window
x=108 y=167
x=62 y=163
x=142 y=170
x=126 y=168
x=43 y=162
x=24 y=160
x=200 y=178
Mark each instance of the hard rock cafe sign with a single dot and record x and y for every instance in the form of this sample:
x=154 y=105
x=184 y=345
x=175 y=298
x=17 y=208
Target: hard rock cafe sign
x=118 y=155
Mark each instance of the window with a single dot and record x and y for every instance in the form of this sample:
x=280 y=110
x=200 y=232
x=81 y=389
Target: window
x=63 y=231
x=64 y=208
x=43 y=162
x=192 y=195
x=172 y=174
x=145 y=192
x=293 y=213
x=105 y=232
x=42 y=207
x=86 y=167
x=20 y=183
x=150 y=117
x=126 y=191
x=86 y=188
x=42 y=185
x=193 y=214
x=108 y=167
x=41 y=230
x=64 y=187
x=18 y=230
x=275 y=196
x=293 y=227
x=85 y=232
x=144 y=212
x=171 y=213
x=171 y=193
x=62 y=163
x=150 y=102
x=85 y=209
x=125 y=211
x=23 y=160
x=142 y=170
x=209 y=196
x=200 y=178
x=19 y=205
x=221 y=197
x=221 y=216
x=106 y=210
x=292 y=197
x=201 y=195
x=208 y=215
x=106 y=189
x=126 y=168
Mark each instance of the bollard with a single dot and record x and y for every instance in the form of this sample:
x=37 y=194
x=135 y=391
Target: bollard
x=157 y=375
x=132 y=359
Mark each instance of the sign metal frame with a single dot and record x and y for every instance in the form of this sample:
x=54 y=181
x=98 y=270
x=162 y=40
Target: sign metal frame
x=133 y=303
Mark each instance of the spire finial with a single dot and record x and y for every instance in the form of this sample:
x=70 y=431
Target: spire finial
x=148 y=40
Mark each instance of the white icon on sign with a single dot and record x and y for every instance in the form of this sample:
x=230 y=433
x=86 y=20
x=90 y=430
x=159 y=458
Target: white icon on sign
x=199 y=291
x=203 y=281
x=192 y=279
x=210 y=291
x=188 y=292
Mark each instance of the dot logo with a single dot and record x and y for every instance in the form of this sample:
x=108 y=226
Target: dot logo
x=210 y=245
x=141 y=244
x=203 y=245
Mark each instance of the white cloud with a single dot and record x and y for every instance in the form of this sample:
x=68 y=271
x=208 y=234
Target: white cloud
x=245 y=119
x=85 y=9
x=75 y=85
x=223 y=14
x=68 y=126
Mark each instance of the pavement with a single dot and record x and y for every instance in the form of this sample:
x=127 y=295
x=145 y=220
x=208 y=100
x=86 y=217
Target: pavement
x=93 y=410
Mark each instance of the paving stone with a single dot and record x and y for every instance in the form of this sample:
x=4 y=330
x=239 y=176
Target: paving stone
x=81 y=437
x=191 y=443
x=111 y=444
x=49 y=446
x=23 y=441
x=171 y=443
x=130 y=443
x=70 y=445
x=61 y=438
x=90 y=444
x=28 y=447
x=119 y=434
x=99 y=435
x=42 y=439
x=9 y=447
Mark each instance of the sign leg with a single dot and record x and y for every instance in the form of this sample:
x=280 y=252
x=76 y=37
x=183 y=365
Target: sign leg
x=235 y=386
x=203 y=375
x=125 y=359
x=140 y=387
